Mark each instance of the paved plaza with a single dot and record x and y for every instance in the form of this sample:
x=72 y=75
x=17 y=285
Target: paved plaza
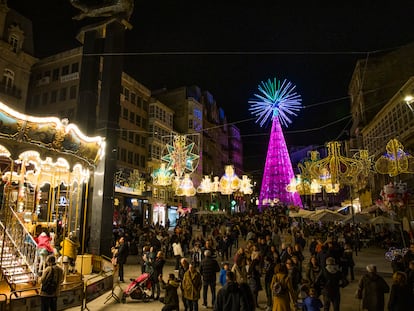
x=371 y=255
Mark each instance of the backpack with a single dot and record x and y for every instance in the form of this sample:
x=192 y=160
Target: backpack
x=277 y=288
x=50 y=284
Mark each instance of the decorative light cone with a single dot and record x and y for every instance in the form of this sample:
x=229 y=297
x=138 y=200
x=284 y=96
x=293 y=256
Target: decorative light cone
x=278 y=170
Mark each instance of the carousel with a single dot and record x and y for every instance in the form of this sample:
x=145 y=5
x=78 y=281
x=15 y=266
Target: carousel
x=45 y=166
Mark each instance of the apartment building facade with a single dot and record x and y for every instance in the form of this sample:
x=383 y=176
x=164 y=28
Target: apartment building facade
x=16 y=57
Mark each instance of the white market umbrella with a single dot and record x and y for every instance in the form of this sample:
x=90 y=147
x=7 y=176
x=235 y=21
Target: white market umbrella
x=382 y=220
x=327 y=216
x=358 y=218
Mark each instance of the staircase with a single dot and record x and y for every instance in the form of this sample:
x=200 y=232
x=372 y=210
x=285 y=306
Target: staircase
x=18 y=255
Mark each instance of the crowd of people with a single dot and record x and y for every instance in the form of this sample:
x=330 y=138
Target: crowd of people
x=263 y=251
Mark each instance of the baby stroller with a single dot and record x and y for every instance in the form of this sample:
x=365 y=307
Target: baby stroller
x=139 y=289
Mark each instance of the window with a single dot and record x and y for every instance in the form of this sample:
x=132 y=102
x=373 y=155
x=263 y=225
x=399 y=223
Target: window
x=145 y=105
x=65 y=70
x=131 y=137
x=144 y=123
x=55 y=74
x=14 y=42
x=123 y=155
x=131 y=117
x=8 y=78
x=75 y=67
x=137 y=139
x=126 y=94
x=47 y=73
x=63 y=94
x=143 y=141
x=125 y=114
x=53 y=97
x=190 y=124
x=73 y=91
x=133 y=98
x=124 y=134
x=137 y=120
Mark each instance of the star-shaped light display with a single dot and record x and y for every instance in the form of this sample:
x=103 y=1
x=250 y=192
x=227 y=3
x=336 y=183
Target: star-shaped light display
x=180 y=157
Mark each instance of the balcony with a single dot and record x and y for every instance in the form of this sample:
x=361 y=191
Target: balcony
x=11 y=91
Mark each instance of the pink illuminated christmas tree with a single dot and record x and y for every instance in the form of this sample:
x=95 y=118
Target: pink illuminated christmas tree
x=276 y=101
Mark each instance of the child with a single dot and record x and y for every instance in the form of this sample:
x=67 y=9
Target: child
x=223 y=272
x=312 y=302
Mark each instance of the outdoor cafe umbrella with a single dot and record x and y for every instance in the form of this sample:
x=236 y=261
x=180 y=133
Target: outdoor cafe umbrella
x=382 y=220
x=327 y=216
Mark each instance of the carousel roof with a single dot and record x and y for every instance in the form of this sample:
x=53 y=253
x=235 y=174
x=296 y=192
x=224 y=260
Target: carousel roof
x=20 y=132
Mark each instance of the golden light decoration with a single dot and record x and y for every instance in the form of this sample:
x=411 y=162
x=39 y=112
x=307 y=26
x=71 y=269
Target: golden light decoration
x=366 y=168
x=302 y=186
x=335 y=169
x=206 y=185
x=229 y=182
x=395 y=161
x=186 y=187
x=216 y=184
x=246 y=186
x=162 y=176
x=179 y=155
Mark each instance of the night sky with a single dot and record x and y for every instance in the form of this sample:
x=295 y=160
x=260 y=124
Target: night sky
x=228 y=47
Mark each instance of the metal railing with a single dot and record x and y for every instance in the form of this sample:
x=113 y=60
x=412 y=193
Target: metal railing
x=13 y=232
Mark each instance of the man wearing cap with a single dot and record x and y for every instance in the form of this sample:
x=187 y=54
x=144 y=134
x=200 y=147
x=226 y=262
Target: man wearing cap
x=371 y=289
x=330 y=280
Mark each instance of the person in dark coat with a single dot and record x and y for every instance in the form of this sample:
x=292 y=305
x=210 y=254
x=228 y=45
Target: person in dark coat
x=122 y=255
x=400 y=296
x=253 y=276
x=408 y=256
x=410 y=276
x=230 y=297
x=330 y=281
x=171 y=297
x=49 y=300
x=209 y=268
x=371 y=289
x=158 y=265
x=347 y=262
